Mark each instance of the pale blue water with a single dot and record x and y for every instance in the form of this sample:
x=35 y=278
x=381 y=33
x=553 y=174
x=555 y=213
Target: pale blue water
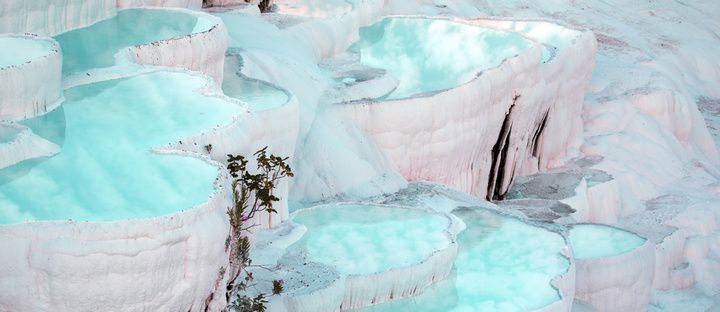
x=361 y=239
x=258 y=94
x=95 y=46
x=8 y=134
x=596 y=240
x=19 y=50
x=106 y=169
x=429 y=55
x=503 y=265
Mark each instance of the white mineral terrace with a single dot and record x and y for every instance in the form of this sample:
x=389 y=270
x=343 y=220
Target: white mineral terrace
x=357 y=247
x=424 y=125
x=29 y=75
x=160 y=37
x=556 y=158
x=18 y=143
x=614 y=268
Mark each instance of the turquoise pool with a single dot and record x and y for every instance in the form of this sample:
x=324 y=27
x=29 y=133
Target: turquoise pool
x=10 y=54
x=95 y=46
x=8 y=133
x=429 y=55
x=502 y=265
x=258 y=94
x=365 y=239
x=597 y=240
x=106 y=169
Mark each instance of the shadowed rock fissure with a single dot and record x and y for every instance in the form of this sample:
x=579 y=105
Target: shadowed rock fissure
x=499 y=157
x=265 y=6
x=538 y=135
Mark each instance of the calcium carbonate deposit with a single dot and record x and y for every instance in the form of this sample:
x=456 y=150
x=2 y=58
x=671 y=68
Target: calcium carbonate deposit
x=447 y=155
x=121 y=177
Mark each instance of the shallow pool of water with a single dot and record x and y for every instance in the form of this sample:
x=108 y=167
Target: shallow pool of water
x=8 y=134
x=502 y=265
x=95 y=46
x=19 y=50
x=106 y=169
x=258 y=94
x=430 y=55
x=596 y=240
x=363 y=239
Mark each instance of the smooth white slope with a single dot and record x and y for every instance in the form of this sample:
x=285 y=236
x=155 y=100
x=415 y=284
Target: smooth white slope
x=51 y=17
x=332 y=158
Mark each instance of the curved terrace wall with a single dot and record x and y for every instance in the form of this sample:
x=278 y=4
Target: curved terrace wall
x=617 y=282
x=202 y=52
x=192 y=40
x=167 y=263
x=33 y=87
x=479 y=135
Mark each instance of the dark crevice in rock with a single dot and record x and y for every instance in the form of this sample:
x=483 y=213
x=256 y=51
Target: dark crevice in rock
x=538 y=134
x=499 y=157
x=265 y=6
x=498 y=192
x=535 y=141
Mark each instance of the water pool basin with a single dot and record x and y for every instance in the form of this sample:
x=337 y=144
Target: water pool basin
x=18 y=50
x=30 y=82
x=363 y=239
x=596 y=240
x=95 y=46
x=502 y=265
x=8 y=133
x=106 y=169
x=429 y=55
x=381 y=253
x=260 y=95
x=615 y=268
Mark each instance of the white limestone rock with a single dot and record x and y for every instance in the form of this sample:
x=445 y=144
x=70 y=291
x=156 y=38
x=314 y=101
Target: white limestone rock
x=51 y=17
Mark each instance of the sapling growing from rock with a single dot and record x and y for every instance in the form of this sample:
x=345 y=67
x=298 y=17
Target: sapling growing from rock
x=252 y=194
